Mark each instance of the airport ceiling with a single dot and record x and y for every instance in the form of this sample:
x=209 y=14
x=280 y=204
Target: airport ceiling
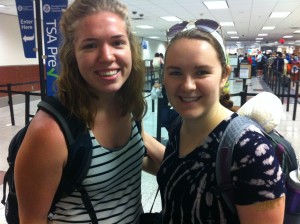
x=248 y=17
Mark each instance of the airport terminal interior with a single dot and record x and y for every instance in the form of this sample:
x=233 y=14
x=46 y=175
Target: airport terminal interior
x=288 y=127
x=253 y=30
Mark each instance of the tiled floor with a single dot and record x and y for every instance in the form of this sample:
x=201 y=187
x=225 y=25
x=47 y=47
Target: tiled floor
x=288 y=128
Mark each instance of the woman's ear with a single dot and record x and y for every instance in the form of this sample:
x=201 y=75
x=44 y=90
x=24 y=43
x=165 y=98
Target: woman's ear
x=225 y=75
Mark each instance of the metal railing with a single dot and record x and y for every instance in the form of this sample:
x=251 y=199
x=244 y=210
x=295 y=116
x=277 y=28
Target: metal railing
x=27 y=95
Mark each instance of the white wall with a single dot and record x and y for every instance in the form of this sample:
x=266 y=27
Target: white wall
x=154 y=46
x=11 y=48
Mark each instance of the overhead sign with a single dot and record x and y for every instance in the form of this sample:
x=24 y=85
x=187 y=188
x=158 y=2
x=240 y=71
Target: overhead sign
x=52 y=11
x=26 y=21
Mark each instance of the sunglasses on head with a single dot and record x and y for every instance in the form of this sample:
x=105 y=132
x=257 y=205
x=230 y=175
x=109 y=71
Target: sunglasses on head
x=205 y=25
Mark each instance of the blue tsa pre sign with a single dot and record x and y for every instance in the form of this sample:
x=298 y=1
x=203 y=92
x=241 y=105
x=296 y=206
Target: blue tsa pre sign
x=52 y=11
x=26 y=21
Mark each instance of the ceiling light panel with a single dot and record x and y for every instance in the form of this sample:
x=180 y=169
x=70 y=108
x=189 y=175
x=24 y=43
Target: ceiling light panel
x=279 y=14
x=216 y=5
x=226 y=23
x=145 y=27
x=268 y=28
x=171 y=18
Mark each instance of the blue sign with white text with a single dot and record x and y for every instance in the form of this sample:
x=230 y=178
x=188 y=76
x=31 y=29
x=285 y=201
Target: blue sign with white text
x=52 y=11
x=26 y=21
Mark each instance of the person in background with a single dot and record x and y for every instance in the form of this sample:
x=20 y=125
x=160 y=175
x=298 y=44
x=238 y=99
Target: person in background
x=156 y=65
x=253 y=66
x=260 y=65
x=285 y=64
x=245 y=60
x=161 y=55
x=101 y=83
x=193 y=80
x=278 y=63
x=271 y=59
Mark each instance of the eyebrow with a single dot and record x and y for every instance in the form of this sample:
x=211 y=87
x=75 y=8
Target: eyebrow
x=195 y=67
x=112 y=37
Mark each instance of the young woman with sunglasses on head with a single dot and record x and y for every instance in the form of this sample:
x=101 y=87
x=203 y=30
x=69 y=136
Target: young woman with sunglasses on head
x=194 y=78
x=101 y=83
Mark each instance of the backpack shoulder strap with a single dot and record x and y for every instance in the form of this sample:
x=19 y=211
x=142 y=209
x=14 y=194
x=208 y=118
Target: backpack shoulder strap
x=224 y=158
x=56 y=110
x=79 y=152
x=78 y=141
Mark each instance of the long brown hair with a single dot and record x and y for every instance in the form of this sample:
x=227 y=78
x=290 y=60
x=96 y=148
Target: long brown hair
x=72 y=89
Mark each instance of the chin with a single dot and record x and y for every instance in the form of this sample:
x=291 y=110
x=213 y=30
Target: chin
x=190 y=115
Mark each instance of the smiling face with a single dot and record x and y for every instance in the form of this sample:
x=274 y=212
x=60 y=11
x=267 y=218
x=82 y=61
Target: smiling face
x=193 y=77
x=102 y=51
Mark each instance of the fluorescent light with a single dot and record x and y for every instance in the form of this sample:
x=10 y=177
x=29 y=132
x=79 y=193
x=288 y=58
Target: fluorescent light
x=257 y=41
x=297 y=40
x=145 y=27
x=296 y=31
x=259 y=38
x=2 y=6
x=154 y=37
x=231 y=32
x=216 y=5
x=226 y=23
x=268 y=28
x=279 y=14
x=262 y=34
x=171 y=18
x=234 y=37
x=287 y=36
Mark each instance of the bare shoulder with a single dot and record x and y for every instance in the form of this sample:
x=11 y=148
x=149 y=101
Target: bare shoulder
x=44 y=137
x=39 y=166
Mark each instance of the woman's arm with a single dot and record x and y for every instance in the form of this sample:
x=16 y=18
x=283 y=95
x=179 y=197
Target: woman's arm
x=263 y=212
x=38 y=168
x=259 y=182
x=155 y=152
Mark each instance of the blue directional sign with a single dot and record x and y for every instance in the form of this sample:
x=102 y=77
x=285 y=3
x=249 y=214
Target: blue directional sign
x=26 y=21
x=52 y=11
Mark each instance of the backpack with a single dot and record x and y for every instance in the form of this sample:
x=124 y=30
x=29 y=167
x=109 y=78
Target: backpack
x=79 y=159
x=263 y=60
x=284 y=152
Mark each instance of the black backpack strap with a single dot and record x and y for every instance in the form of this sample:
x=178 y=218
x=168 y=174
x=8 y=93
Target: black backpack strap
x=88 y=205
x=60 y=119
x=224 y=158
x=79 y=153
x=285 y=152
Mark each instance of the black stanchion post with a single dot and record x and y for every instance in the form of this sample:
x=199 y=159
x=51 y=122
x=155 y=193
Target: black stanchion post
x=27 y=107
x=289 y=95
x=40 y=47
x=158 y=126
x=11 y=105
x=296 y=100
x=282 y=86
